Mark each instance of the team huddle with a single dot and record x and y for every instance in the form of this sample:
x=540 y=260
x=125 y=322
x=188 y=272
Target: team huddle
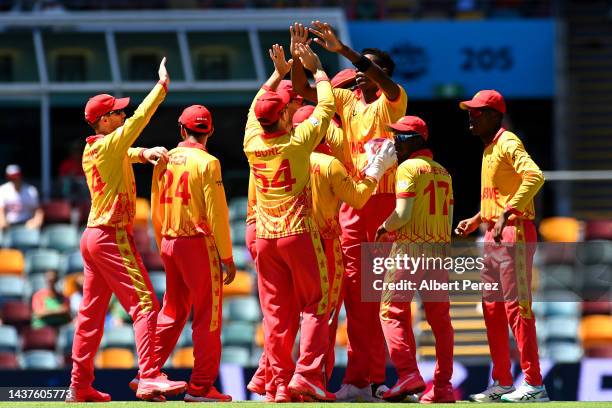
x=324 y=179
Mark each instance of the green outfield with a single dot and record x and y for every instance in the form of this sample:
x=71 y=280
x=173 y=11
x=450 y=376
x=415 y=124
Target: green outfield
x=240 y=404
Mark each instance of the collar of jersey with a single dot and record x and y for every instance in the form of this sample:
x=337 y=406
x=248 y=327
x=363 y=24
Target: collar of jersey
x=272 y=135
x=92 y=139
x=191 y=144
x=497 y=136
x=422 y=152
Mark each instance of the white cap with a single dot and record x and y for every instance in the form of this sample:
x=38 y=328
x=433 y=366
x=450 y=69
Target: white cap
x=13 y=170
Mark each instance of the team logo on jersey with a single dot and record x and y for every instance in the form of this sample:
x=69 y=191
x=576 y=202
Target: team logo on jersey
x=314 y=121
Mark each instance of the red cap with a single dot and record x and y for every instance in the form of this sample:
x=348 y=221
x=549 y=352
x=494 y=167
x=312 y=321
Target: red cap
x=100 y=105
x=410 y=124
x=287 y=86
x=343 y=78
x=302 y=114
x=196 y=118
x=270 y=104
x=486 y=98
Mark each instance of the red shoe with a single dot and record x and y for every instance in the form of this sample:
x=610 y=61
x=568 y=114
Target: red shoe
x=411 y=384
x=282 y=394
x=134 y=383
x=211 y=395
x=299 y=385
x=150 y=388
x=89 y=394
x=439 y=395
x=257 y=385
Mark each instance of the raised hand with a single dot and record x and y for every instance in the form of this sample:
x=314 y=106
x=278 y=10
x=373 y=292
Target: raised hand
x=277 y=55
x=299 y=35
x=308 y=58
x=326 y=37
x=163 y=72
x=156 y=154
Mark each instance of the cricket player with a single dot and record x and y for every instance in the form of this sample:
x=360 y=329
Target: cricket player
x=191 y=224
x=423 y=215
x=510 y=180
x=111 y=261
x=290 y=259
x=364 y=115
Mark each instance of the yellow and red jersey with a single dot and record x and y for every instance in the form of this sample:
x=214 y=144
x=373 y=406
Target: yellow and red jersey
x=107 y=163
x=509 y=179
x=251 y=201
x=431 y=186
x=188 y=198
x=340 y=148
x=331 y=184
x=280 y=164
x=362 y=122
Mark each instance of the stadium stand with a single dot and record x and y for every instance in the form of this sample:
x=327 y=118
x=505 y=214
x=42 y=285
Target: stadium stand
x=115 y=358
x=57 y=212
x=11 y=261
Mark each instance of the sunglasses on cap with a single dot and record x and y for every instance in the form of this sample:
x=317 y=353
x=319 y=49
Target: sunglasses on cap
x=403 y=137
x=116 y=112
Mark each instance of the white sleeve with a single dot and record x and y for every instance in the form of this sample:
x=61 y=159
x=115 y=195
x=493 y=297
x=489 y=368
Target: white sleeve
x=34 y=194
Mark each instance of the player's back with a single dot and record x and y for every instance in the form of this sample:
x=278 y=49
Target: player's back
x=182 y=187
x=325 y=203
x=431 y=186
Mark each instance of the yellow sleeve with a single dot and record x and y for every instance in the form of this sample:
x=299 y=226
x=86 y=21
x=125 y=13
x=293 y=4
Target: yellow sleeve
x=335 y=140
x=252 y=126
x=531 y=175
x=355 y=194
x=310 y=132
x=156 y=208
x=217 y=213
x=405 y=183
x=121 y=139
x=393 y=109
x=134 y=154
x=342 y=100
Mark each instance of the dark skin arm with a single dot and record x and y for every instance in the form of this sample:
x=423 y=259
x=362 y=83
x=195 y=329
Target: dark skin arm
x=299 y=35
x=328 y=40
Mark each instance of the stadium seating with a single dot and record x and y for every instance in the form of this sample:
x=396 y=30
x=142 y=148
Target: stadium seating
x=16 y=313
x=259 y=335
x=598 y=229
x=238 y=231
x=152 y=261
x=142 y=239
x=560 y=229
x=342 y=334
x=183 y=357
x=36 y=282
x=115 y=358
x=11 y=261
x=603 y=307
x=119 y=337
x=57 y=211
x=64 y=341
x=238 y=209
x=143 y=209
x=241 y=286
x=158 y=280
x=8 y=361
x=12 y=288
x=341 y=356
x=61 y=237
x=237 y=334
x=596 y=330
x=186 y=337
x=242 y=308
x=22 y=238
x=595 y=252
x=242 y=257
x=73 y=263
x=41 y=260
x=236 y=355
x=44 y=338
x=9 y=341
x=40 y=360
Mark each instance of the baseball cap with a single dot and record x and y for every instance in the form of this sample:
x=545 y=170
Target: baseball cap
x=302 y=114
x=196 y=118
x=13 y=170
x=100 y=105
x=409 y=124
x=486 y=98
x=270 y=104
x=343 y=78
x=287 y=86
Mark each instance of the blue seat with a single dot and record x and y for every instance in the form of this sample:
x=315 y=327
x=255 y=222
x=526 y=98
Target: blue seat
x=40 y=360
x=236 y=355
x=238 y=334
x=242 y=308
x=242 y=257
x=238 y=208
x=158 y=280
x=341 y=356
x=9 y=341
x=22 y=238
x=560 y=328
x=65 y=339
x=12 y=288
x=61 y=237
x=185 y=339
x=37 y=282
x=41 y=260
x=74 y=263
x=563 y=352
x=119 y=337
x=561 y=309
x=238 y=231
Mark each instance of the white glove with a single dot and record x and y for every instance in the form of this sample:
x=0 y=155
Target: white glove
x=383 y=160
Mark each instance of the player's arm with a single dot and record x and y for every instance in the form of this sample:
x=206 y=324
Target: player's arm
x=469 y=225
x=354 y=193
x=3 y=223
x=151 y=155
x=532 y=178
x=328 y=39
x=157 y=210
x=299 y=35
x=311 y=131
x=121 y=139
x=217 y=215
x=405 y=193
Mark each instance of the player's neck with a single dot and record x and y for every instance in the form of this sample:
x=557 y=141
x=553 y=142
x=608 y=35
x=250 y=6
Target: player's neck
x=370 y=96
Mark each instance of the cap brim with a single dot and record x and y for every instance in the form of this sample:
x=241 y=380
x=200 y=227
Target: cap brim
x=121 y=103
x=467 y=105
x=398 y=127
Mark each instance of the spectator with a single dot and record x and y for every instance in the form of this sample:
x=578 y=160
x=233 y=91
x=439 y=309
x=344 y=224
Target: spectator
x=50 y=307
x=72 y=176
x=76 y=296
x=19 y=201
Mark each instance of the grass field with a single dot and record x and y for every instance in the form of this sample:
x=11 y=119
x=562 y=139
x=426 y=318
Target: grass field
x=243 y=404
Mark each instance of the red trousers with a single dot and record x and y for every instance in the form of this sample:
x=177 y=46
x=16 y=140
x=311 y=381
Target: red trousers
x=511 y=265
x=396 y=323
x=292 y=279
x=193 y=279
x=112 y=265
x=366 y=348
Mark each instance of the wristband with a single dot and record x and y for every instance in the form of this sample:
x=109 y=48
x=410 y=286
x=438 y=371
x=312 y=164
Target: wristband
x=363 y=63
x=141 y=155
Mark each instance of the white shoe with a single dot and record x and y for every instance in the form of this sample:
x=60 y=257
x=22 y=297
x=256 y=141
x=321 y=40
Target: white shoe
x=527 y=393
x=350 y=393
x=380 y=391
x=492 y=394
